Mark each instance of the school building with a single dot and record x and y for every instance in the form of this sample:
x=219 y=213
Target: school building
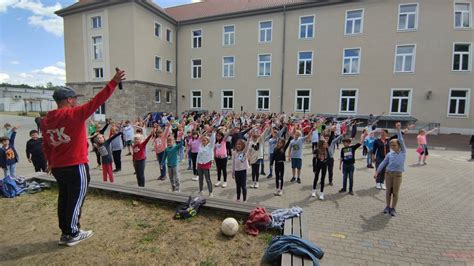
x=405 y=59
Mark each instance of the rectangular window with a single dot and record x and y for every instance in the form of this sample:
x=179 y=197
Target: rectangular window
x=263 y=100
x=168 y=96
x=307 y=27
x=157 y=29
x=196 y=99
x=169 y=66
x=196 y=69
x=157 y=63
x=97 y=47
x=197 y=38
x=265 y=31
x=408 y=17
x=169 y=35
x=458 y=102
x=400 y=101
x=98 y=73
x=228 y=66
x=354 y=22
x=348 y=101
x=405 y=58
x=227 y=101
x=264 y=65
x=351 y=61
x=96 y=22
x=305 y=62
x=303 y=100
x=462 y=57
x=462 y=15
x=229 y=35
x=158 y=96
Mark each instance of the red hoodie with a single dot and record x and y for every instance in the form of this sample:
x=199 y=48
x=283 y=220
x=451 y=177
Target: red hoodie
x=65 y=141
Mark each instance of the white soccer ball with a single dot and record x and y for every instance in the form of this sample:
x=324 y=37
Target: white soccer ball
x=229 y=227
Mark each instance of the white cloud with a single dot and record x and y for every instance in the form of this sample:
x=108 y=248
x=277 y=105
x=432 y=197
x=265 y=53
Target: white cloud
x=25 y=75
x=51 y=70
x=15 y=62
x=60 y=64
x=4 y=77
x=5 y=4
x=43 y=16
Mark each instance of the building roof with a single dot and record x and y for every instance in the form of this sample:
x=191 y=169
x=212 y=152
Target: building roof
x=209 y=8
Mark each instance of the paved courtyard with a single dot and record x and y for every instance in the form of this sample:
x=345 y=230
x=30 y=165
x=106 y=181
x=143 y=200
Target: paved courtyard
x=435 y=224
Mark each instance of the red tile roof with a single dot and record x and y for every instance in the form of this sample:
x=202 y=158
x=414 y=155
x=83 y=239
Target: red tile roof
x=209 y=8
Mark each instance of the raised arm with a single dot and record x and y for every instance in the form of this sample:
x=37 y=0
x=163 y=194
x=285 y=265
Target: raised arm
x=400 y=137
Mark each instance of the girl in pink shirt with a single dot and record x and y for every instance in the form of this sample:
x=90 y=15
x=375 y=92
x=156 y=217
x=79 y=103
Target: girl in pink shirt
x=193 y=147
x=422 y=149
x=160 y=145
x=220 y=156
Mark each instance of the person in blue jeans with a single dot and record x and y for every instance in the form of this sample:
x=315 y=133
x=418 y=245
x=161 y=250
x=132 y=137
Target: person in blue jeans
x=347 y=162
x=8 y=154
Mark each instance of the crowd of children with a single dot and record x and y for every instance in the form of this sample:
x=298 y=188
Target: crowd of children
x=240 y=139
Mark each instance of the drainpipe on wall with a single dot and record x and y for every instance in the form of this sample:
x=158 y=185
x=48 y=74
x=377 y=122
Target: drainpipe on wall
x=283 y=60
x=176 y=65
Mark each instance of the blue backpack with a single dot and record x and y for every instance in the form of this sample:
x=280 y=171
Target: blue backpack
x=9 y=188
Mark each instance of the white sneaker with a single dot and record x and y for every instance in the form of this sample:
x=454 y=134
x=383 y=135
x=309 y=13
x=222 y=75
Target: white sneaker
x=211 y=195
x=196 y=178
x=378 y=186
x=200 y=193
x=313 y=193
x=321 y=196
x=280 y=192
x=252 y=185
x=218 y=184
x=384 y=187
x=83 y=235
x=276 y=192
x=224 y=184
x=256 y=185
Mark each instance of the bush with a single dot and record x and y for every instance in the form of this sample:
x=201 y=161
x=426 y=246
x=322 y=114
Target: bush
x=22 y=113
x=42 y=114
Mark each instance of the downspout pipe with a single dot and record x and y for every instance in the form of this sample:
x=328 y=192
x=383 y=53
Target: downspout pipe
x=176 y=66
x=283 y=60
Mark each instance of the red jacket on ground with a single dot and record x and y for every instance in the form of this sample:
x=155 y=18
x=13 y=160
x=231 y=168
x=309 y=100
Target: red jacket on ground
x=64 y=130
x=258 y=218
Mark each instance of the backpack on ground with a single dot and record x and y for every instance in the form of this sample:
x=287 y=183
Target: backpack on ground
x=190 y=208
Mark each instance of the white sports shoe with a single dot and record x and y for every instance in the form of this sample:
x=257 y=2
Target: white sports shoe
x=83 y=235
x=384 y=187
x=256 y=185
x=313 y=193
x=196 y=178
x=321 y=196
x=252 y=185
x=224 y=184
x=280 y=192
x=211 y=195
x=377 y=186
x=218 y=184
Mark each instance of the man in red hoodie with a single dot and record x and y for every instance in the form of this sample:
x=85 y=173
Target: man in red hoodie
x=65 y=148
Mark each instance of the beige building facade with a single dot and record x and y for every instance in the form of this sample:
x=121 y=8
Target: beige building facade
x=403 y=59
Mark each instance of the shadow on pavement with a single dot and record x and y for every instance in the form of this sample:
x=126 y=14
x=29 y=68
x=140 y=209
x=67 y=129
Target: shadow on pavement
x=375 y=223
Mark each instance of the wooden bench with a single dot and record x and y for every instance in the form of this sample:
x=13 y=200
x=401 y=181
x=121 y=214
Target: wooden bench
x=295 y=226
x=214 y=203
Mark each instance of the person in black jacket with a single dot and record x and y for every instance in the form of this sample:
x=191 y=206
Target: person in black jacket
x=381 y=148
x=472 y=148
x=279 y=159
x=34 y=152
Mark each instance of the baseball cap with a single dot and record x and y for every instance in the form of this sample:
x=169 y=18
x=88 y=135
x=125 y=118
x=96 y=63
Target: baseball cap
x=64 y=92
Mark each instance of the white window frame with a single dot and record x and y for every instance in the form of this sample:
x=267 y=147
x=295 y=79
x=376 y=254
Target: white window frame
x=222 y=99
x=305 y=60
x=460 y=64
x=170 y=70
x=159 y=96
x=101 y=71
x=351 y=58
x=192 y=68
x=263 y=101
x=266 y=31
x=100 y=45
x=304 y=97
x=166 y=96
x=470 y=15
x=467 y=106
x=356 y=97
x=265 y=68
x=192 y=97
x=194 y=37
x=306 y=27
x=417 y=14
x=161 y=62
x=409 y=98
x=230 y=65
x=154 y=29
x=353 y=23
x=171 y=35
x=228 y=33
x=413 y=65
x=100 y=22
